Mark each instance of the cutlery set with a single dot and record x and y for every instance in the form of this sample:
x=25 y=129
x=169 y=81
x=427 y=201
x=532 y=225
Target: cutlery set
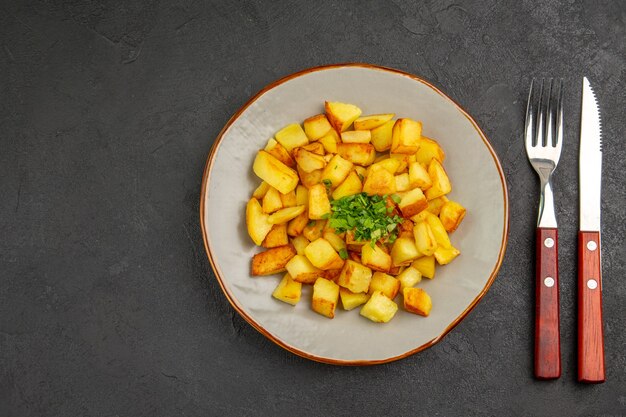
x=543 y=136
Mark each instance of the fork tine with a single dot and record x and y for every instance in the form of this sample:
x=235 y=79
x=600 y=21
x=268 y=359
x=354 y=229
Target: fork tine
x=549 y=134
x=559 y=118
x=530 y=117
x=540 y=119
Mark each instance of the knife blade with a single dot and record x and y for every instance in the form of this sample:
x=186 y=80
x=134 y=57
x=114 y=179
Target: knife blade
x=590 y=332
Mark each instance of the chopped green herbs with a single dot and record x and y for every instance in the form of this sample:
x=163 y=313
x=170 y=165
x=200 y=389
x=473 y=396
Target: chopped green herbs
x=396 y=198
x=368 y=216
x=311 y=223
x=328 y=183
x=343 y=254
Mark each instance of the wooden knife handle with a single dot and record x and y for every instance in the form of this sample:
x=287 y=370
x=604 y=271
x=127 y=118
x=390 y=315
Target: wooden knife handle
x=590 y=334
x=547 y=333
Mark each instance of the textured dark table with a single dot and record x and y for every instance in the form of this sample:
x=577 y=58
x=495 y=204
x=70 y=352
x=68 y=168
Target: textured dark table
x=108 y=305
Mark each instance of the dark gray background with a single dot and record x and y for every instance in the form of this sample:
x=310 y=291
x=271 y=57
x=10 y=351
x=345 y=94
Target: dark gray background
x=108 y=305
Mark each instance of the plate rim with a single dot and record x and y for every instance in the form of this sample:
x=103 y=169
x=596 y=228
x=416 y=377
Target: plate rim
x=207 y=247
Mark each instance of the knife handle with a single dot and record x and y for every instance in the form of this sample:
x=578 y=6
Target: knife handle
x=547 y=333
x=590 y=334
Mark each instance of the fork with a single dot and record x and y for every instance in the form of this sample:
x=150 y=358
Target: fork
x=543 y=136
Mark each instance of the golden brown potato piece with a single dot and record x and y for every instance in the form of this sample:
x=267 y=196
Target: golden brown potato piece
x=403 y=251
x=418 y=176
x=451 y=215
x=276 y=237
x=417 y=301
x=355 y=277
x=272 y=201
x=372 y=122
x=337 y=170
x=315 y=147
x=350 y=186
x=379 y=308
x=405 y=136
x=300 y=242
x=375 y=258
x=426 y=266
x=291 y=137
x=330 y=141
x=379 y=181
x=279 y=152
x=286 y=214
x=412 y=203
x=319 y=205
x=390 y=164
x=289 y=199
x=381 y=136
x=429 y=149
x=302 y=270
x=441 y=182
x=260 y=191
x=325 y=297
x=257 y=221
x=357 y=153
x=384 y=283
x=335 y=241
x=297 y=225
x=341 y=115
x=434 y=205
x=308 y=161
x=409 y=277
x=274 y=172
x=316 y=127
x=446 y=255
x=356 y=136
x=288 y=290
x=322 y=255
x=402 y=182
x=309 y=179
x=314 y=229
x=272 y=260
x=350 y=300
x=424 y=238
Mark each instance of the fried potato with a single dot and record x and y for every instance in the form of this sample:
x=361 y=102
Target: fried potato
x=291 y=136
x=286 y=214
x=337 y=170
x=357 y=153
x=330 y=141
x=424 y=239
x=409 y=277
x=274 y=172
x=325 y=297
x=446 y=255
x=451 y=215
x=257 y=221
x=297 y=225
x=308 y=161
x=319 y=204
x=426 y=266
x=429 y=149
x=314 y=229
x=288 y=290
x=382 y=136
x=350 y=300
x=302 y=270
x=372 y=122
x=276 y=237
x=322 y=255
x=412 y=203
x=355 y=277
x=417 y=301
x=272 y=260
x=384 y=283
x=379 y=308
x=405 y=136
x=300 y=242
x=441 y=182
x=379 y=181
x=375 y=258
x=350 y=186
x=341 y=115
x=260 y=191
x=418 y=176
x=272 y=201
x=316 y=127
x=403 y=251
x=356 y=136
x=279 y=152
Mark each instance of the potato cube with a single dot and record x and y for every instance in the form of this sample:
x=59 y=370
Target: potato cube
x=405 y=136
x=308 y=161
x=356 y=136
x=429 y=149
x=286 y=214
x=446 y=255
x=424 y=238
x=276 y=237
x=330 y=141
x=289 y=199
x=350 y=300
x=375 y=258
x=309 y=179
x=314 y=229
x=395 y=270
x=341 y=115
x=260 y=191
x=403 y=251
x=406 y=228
x=417 y=301
x=274 y=172
x=435 y=205
x=441 y=182
x=379 y=181
x=357 y=153
x=439 y=231
x=337 y=170
x=291 y=137
x=325 y=297
x=451 y=215
x=257 y=222
x=288 y=290
x=272 y=260
x=379 y=308
x=302 y=270
x=402 y=182
x=316 y=148
x=279 y=152
x=412 y=203
x=272 y=201
x=302 y=196
x=297 y=225
x=372 y=122
x=316 y=127
x=418 y=176
x=381 y=136
x=355 y=277
x=350 y=186
x=300 y=242
x=390 y=164
x=319 y=205
x=322 y=255
x=335 y=241
x=404 y=160
x=409 y=277
x=384 y=283
x=426 y=266
x=362 y=171
x=353 y=244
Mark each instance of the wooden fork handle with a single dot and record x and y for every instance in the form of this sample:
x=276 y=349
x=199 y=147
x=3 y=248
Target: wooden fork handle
x=547 y=333
x=590 y=334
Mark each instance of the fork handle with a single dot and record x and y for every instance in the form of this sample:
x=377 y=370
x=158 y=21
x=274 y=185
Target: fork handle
x=590 y=335
x=547 y=333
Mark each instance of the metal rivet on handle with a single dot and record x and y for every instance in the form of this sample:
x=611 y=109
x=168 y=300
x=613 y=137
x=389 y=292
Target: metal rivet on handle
x=549 y=242
x=592 y=245
x=592 y=284
x=549 y=282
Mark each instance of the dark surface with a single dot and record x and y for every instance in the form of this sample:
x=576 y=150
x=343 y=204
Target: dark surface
x=108 y=306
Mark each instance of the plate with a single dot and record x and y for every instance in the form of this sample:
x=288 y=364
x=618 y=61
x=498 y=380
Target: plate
x=349 y=339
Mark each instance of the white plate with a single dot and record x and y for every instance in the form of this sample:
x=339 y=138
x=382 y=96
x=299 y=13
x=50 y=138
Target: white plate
x=478 y=183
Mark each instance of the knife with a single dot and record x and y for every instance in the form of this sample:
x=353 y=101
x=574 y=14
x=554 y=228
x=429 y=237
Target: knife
x=590 y=334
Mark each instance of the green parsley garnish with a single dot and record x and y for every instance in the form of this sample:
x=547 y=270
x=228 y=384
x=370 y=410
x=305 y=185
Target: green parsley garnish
x=328 y=183
x=311 y=223
x=343 y=254
x=368 y=216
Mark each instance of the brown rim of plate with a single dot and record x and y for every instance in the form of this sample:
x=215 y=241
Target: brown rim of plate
x=216 y=269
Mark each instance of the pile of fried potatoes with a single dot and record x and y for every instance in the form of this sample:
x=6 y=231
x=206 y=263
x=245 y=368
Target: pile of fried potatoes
x=303 y=168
